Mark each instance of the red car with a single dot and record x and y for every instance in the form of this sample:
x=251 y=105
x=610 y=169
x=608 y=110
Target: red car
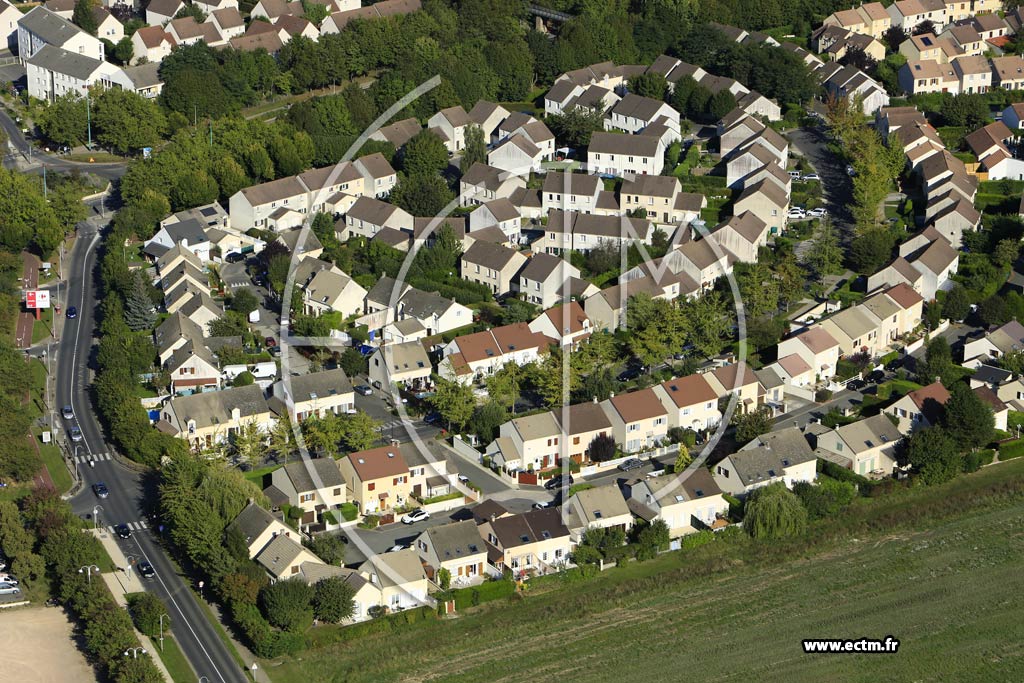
x=271 y=342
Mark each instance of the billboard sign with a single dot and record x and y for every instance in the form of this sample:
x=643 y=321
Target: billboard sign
x=37 y=298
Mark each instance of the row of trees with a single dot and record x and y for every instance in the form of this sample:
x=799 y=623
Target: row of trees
x=121 y=120
x=60 y=545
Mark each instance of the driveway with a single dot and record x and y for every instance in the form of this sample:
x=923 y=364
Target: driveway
x=837 y=187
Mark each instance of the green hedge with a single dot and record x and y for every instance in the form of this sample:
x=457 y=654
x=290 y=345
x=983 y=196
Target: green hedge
x=386 y=624
x=349 y=511
x=1011 y=449
x=835 y=471
x=485 y=592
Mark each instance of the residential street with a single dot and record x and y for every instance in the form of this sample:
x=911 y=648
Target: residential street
x=37 y=158
x=129 y=492
x=837 y=188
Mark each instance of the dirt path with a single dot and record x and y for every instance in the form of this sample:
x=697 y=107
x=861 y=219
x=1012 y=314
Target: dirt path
x=38 y=648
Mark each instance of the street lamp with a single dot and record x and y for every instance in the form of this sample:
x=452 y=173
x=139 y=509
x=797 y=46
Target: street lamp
x=130 y=560
x=162 y=630
x=201 y=584
x=135 y=652
x=88 y=570
x=96 y=510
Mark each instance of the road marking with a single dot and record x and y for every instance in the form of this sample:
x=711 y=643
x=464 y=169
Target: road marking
x=78 y=332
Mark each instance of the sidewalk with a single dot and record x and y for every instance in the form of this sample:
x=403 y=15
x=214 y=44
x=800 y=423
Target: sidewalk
x=244 y=652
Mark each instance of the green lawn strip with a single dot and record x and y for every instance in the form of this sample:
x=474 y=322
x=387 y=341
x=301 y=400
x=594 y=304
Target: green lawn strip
x=256 y=475
x=55 y=465
x=174 y=660
x=219 y=628
x=918 y=564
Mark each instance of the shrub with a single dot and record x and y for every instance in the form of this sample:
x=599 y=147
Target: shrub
x=735 y=507
x=485 y=592
x=287 y=604
x=145 y=610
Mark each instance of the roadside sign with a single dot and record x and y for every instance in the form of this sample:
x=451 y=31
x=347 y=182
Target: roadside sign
x=37 y=298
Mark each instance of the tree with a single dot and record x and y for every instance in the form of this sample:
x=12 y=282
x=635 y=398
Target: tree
x=476 y=148
x=67 y=205
x=287 y=604
x=574 y=127
x=314 y=12
x=933 y=455
x=243 y=379
x=124 y=51
x=720 y=104
x=752 y=424
x=244 y=302
x=444 y=579
x=938 y=361
x=359 y=431
x=145 y=610
x=353 y=362
x=651 y=85
x=139 y=312
x=425 y=154
x=957 y=303
x=774 y=512
x=125 y=121
x=968 y=420
x=966 y=110
x=870 y=250
x=250 y=443
x=282 y=439
x=83 y=16
x=825 y=498
x=651 y=539
x=329 y=548
x=454 y=401
x=825 y=257
x=505 y=385
x=65 y=120
x=894 y=37
x=708 y=321
x=1006 y=252
x=602 y=448
x=683 y=459
x=333 y=599
x=487 y=419
x=422 y=195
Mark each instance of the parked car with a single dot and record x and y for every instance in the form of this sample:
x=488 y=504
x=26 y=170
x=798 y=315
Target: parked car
x=146 y=570
x=810 y=176
x=556 y=481
x=395 y=548
x=76 y=433
x=876 y=377
x=796 y=213
x=100 y=489
x=7 y=578
x=123 y=531
x=542 y=505
x=463 y=479
x=418 y=515
x=631 y=464
x=631 y=373
x=235 y=257
x=270 y=342
x=818 y=213
x=8 y=589
x=72 y=312
x=364 y=390
x=856 y=384
x=67 y=413
x=850 y=170
x=795 y=175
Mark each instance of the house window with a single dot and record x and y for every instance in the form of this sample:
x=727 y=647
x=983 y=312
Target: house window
x=575 y=441
x=295 y=570
x=371 y=486
x=558 y=554
x=337 y=492
x=305 y=497
x=633 y=427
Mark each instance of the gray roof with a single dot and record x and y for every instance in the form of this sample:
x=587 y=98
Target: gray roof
x=619 y=143
x=325 y=469
x=52 y=29
x=189 y=229
x=385 y=288
x=770 y=454
x=61 y=61
x=541 y=266
x=144 y=75
x=252 y=521
x=290 y=238
x=190 y=348
x=489 y=255
x=214 y=407
x=405 y=356
x=177 y=326
x=279 y=554
x=451 y=541
x=420 y=304
x=572 y=183
x=869 y=433
x=372 y=210
x=638 y=107
x=320 y=385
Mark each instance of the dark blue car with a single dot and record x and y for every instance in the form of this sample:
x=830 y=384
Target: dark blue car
x=72 y=312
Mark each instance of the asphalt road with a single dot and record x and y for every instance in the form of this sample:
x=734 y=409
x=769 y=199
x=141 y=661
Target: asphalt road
x=837 y=188
x=128 y=491
x=110 y=171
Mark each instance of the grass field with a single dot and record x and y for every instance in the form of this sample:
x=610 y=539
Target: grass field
x=174 y=660
x=937 y=568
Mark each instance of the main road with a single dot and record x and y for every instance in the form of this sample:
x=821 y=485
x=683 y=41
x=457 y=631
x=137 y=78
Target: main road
x=131 y=496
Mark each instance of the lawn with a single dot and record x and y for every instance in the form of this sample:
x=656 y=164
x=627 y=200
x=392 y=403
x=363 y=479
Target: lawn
x=256 y=475
x=55 y=466
x=41 y=329
x=174 y=660
x=937 y=568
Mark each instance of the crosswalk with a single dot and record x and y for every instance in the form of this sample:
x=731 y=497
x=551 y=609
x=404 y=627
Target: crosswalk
x=84 y=459
x=134 y=526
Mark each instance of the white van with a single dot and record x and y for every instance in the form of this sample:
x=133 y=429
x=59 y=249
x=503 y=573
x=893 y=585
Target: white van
x=254 y=316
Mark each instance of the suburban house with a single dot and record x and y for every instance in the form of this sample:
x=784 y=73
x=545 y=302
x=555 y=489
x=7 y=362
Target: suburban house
x=736 y=379
x=691 y=402
x=405 y=364
x=994 y=344
x=450 y=125
x=213 y=417
x=192 y=368
x=152 y=44
x=398 y=133
x=283 y=557
x=581 y=423
x=633 y=113
x=40 y=27
x=369 y=215
x=534 y=542
x=661 y=197
x=624 y=155
x=601 y=507
x=542 y=279
x=399 y=576
x=782 y=456
x=491 y=265
x=173 y=333
x=378 y=479
x=686 y=504
x=457 y=548
x=313 y=394
x=332 y=290
x=315 y=485
x=570 y=192
x=516 y=155
x=501 y=213
x=921 y=408
x=817 y=347
x=639 y=420
x=483 y=183
x=487 y=116
x=159 y=12
x=530 y=442
x=257 y=527
x=868 y=446
x=472 y=357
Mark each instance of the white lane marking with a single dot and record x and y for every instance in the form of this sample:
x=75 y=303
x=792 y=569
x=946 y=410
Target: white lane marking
x=78 y=332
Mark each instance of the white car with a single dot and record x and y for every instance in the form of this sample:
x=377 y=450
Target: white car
x=8 y=589
x=463 y=479
x=818 y=213
x=795 y=175
x=7 y=578
x=395 y=548
x=796 y=213
x=418 y=515
x=811 y=176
